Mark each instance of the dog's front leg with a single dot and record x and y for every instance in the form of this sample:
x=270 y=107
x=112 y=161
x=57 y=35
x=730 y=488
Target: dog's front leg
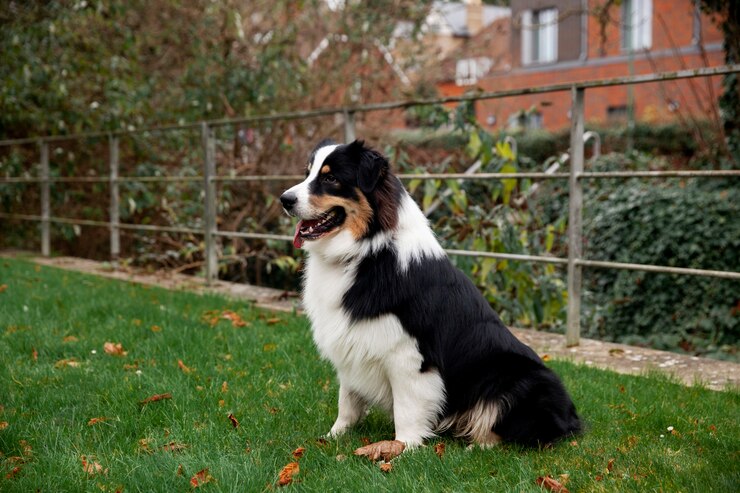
x=418 y=398
x=352 y=408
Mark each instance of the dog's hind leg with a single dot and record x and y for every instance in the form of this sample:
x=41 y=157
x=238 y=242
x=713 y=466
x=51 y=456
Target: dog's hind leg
x=352 y=408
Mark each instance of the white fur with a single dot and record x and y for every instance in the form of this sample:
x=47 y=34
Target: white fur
x=377 y=361
x=303 y=207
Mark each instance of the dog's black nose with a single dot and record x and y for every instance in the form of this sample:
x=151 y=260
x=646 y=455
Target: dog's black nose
x=288 y=200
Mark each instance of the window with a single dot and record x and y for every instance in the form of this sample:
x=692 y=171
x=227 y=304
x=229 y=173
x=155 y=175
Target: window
x=539 y=36
x=616 y=114
x=469 y=70
x=525 y=120
x=637 y=24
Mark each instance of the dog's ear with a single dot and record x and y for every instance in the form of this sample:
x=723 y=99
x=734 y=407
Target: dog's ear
x=372 y=165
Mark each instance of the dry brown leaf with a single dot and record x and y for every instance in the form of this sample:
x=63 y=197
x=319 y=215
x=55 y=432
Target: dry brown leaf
x=235 y=319
x=269 y=347
x=3 y=425
x=13 y=473
x=3 y=287
x=322 y=442
x=183 y=367
x=201 y=477
x=70 y=339
x=224 y=387
x=91 y=467
x=114 y=349
x=439 y=449
x=94 y=421
x=234 y=421
x=174 y=447
x=144 y=445
x=386 y=450
x=155 y=398
x=221 y=403
x=286 y=475
x=386 y=467
x=273 y=321
x=34 y=355
x=545 y=357
x=551 y=484
x=156 y=328
x=298 y=453
x=610 y=465
x=71 y=362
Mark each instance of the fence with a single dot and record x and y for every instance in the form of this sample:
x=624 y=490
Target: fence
x=575 y=177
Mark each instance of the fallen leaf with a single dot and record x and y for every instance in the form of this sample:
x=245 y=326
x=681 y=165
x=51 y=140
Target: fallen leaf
x=235 y=319
x=70 y=339
x=551 y=484
x=3 y=425
x=94 y=421
x=201 y=477
x=545 y=357
x=439 y=449
x=273 y=321
x=610 y=465
x=221 y=403
x=3 y=287
x=616 y=352
x=34 y=355
x=269 y=347
x=71 y=362
x=174 y=447
x=386 y=450
x=287 y=473
x=183 y=367
x=155 y=398
x=92 y=467
x=298 y=453
x=234 y=421
x=224 y=387
x=144 y=445
x=180 y=470
x=574 y=443
x=386 y=467
x=599 y=477
x=156 y=328
x=136 y=322
x=322 y=442
x=114 y=349
x=13 y=473
x=133 y=367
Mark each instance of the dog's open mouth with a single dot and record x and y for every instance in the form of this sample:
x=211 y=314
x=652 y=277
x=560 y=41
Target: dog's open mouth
x=313 y=229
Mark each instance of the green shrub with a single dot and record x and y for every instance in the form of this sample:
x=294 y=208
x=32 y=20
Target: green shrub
x=684 y=224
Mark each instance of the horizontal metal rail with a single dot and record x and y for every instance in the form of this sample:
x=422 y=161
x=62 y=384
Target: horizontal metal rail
x=659 y=268
x=455 y=252
x=419 y=176
x=391 y=105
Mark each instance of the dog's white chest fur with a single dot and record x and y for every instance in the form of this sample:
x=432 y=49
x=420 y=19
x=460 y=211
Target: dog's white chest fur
x=365 y=352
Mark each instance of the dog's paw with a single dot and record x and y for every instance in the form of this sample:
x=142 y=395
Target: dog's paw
x=386 y=450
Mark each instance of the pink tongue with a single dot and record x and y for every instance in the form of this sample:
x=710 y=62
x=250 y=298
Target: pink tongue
x=297 y=240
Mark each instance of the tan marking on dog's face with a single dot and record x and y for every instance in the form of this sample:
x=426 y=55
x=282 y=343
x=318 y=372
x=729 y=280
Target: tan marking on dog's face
x=358 y=212
x=325 y=169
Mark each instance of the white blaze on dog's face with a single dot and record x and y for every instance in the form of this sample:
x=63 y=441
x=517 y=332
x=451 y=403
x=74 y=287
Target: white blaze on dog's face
x=339 y=194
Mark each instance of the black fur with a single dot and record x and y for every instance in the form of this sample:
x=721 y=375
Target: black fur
x=461 y=336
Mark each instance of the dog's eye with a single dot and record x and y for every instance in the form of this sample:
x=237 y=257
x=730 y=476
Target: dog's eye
x=330 y=179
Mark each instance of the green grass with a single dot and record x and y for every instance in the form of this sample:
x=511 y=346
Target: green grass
x=284 y=397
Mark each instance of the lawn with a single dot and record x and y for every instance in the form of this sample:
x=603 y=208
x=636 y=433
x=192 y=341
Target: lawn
x=244 y=388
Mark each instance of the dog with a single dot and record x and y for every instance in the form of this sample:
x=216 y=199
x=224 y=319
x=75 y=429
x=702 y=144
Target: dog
x=404 y=329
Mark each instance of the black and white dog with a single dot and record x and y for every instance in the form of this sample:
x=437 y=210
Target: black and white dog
x=404 y=328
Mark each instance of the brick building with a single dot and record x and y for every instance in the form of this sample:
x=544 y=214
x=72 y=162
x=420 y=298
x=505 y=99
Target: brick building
x=560 y=41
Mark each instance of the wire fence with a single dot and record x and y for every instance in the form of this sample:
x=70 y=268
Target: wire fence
x=575 y=178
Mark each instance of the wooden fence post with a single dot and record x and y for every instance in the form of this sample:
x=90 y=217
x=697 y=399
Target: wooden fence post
x=349 y=126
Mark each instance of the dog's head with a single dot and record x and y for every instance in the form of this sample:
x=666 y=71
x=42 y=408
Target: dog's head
x=348 y=191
